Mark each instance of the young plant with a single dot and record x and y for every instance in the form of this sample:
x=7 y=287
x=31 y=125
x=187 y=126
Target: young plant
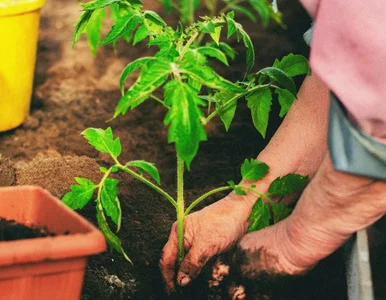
x=181 y=70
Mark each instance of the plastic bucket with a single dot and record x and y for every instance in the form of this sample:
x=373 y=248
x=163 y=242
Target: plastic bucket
x=19 y=27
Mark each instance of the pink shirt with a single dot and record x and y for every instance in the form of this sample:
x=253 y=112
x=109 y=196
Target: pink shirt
x=349 y=53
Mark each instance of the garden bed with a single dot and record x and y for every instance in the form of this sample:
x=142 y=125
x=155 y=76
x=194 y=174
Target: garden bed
x=73 y=91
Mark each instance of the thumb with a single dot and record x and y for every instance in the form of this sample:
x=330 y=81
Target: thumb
x=191 y=265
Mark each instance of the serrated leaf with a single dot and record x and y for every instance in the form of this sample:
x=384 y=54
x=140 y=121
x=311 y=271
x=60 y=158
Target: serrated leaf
x=238 y=190
x=103 y=141
x=214 y=52
x=153 y=74
x=141 y=34
x=130 y=68
x=227 y=112
x=103 y=169
x=259 y=103
x=293 y=65
x=195 y=84
x=285 y=100
x=154 y=17
x=110 y=201
x=253 y=169
x=193 y=66
x=144 y=166
x=288 y=184
x=93 y=30
x=278 y=75
x=183 y=118
x=80 y=25
x=126 y=23
x=260 y=216
x=216 y=34
x=228 y=50
x=231 y=27
x=279 y=212
x=207 y=27
x=112 y=240
x=244 y=11
x=80 y=194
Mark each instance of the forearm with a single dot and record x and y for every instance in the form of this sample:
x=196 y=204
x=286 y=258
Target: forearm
x=333 y=207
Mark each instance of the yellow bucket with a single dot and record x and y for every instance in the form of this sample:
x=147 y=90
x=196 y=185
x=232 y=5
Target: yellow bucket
x=19 y=27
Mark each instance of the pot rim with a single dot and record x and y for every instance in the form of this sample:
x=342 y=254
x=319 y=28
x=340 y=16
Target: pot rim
x=87 y=242
x=18 y=7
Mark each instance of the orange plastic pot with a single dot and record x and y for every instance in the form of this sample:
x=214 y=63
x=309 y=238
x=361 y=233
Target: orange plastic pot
x=45 y=268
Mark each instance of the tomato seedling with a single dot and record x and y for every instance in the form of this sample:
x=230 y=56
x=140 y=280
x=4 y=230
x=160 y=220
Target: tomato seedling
x=180 y=68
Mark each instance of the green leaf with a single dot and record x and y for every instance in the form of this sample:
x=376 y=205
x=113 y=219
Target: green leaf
x=293 y=65
x=93 y=5
x=103 y=169
x=194 y=67
x=144 y=166
x=263 y=9
x=111 y=238
x=130 y=68
x=238 y=190
x=141 y=34
x=216 y=34
x=281 y=77
x=279 y=211
x=214 y=52
x=253 y=169
x=226 y=113
x=125 y=23
x=228 y=50
x=103 y=141
x=80 y=194
x=233 y=27
x=167 y=5
x=93 y=30
x=288 y=184
x=260 y=216
x=260 y=102
x=110 y=201
x=153 y=74
x=80 y=25
x=195 y=84
x=244 y=11
x=184 y=116
x=285 y=99
x=154 y=17
x=207 y=26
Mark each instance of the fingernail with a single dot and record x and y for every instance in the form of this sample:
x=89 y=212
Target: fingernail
x=184 y=281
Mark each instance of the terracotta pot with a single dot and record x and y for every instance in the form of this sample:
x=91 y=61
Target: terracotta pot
x=45 y=268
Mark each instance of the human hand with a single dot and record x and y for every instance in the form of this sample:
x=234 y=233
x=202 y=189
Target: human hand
x=208 y=232
x=333 y=207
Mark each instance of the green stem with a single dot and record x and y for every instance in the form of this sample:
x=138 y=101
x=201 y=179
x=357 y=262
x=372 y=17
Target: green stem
x=159 y=101
x=262 y=195
x=188 y=44
x=180 y=209
x=148 y=183
x=191 y=12
x=206 y=195
x=230 y=101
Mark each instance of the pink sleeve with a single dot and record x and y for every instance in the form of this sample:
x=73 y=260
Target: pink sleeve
x=349 y=53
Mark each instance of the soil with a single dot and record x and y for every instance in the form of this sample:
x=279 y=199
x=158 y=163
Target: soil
x=73 y=91
x=12 y=231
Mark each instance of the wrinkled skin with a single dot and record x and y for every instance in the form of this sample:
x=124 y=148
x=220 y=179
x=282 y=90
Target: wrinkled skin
x=332 y=207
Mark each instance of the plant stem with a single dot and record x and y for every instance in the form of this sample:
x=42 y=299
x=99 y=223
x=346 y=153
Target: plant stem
x=148 y=183
x=229 y=6
x=191 y=12
x=206 y=195
x=230 y=101
x=188 y=43
x=159 y=101
x=180 y=209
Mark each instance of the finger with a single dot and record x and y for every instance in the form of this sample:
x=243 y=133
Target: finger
x=168 y=261
x=192 y=265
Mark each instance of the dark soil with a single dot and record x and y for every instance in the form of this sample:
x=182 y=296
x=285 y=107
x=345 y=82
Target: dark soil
x=12 y=231
x=74 y=90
